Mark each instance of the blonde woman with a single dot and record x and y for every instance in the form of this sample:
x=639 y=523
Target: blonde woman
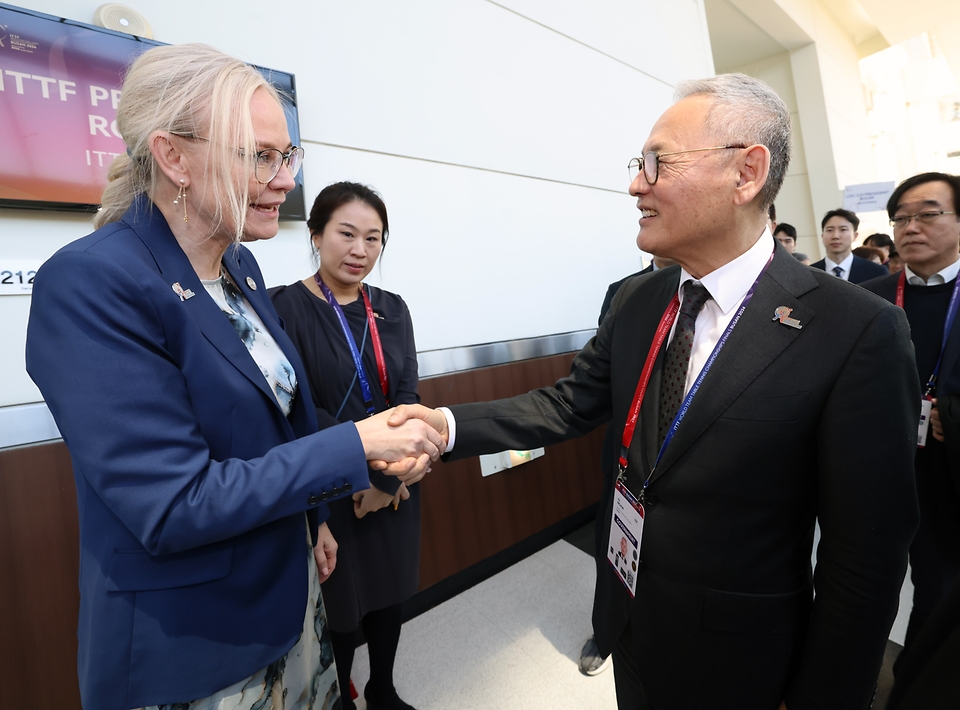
x=200 y=481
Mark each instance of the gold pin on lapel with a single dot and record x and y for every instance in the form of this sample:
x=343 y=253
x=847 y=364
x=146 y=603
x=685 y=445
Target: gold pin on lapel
x=782 y=313
x=251 y=283
x=182 y=292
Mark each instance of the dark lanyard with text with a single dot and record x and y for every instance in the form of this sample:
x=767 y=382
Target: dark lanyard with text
x=947 y=325
x=354 y=351
x=666 y=323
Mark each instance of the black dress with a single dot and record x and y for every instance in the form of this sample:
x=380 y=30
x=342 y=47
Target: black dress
x=378 y=561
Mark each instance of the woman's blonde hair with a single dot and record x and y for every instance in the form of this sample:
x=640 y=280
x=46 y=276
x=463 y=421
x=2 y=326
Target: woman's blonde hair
x=198 y=92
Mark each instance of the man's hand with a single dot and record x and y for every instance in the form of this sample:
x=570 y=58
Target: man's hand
x=325 y=553
x=373 y=499
x=936 y=428
x=410 y=470
x=433 y=417
x=406 y=445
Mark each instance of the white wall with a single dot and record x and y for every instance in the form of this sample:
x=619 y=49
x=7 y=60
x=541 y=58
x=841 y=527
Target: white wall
x=794 y=203
x=498 y=133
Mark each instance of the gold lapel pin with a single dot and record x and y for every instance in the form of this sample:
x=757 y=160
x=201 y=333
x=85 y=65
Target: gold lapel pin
x=782 y=314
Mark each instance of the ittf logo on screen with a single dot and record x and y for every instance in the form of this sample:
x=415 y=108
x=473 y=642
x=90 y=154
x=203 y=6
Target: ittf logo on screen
x=3 y=36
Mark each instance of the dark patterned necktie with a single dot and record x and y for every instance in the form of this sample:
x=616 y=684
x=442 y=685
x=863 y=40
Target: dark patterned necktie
x=677 y=362
x=838 y=271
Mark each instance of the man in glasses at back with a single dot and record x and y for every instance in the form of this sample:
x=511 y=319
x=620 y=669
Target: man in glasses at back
x=730 y=381
x=926 y=231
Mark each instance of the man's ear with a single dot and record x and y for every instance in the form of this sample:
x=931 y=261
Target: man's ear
x=169 y=156
x=754 y=169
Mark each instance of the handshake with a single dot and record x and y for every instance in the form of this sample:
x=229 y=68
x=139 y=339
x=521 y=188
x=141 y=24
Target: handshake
x=403 y=441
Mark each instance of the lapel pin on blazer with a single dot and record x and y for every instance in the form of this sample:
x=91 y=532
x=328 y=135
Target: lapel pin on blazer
x=782 y=313
x=251 y=283
x=182 y=292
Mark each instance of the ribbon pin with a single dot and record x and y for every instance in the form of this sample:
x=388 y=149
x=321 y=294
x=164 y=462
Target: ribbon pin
x=180 y=291
x=782 y=313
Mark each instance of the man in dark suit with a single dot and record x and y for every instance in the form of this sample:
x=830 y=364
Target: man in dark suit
x=923 y=214
x=838 y=232
x=722 y=614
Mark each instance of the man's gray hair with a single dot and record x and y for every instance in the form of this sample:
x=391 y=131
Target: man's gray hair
x=746 y=110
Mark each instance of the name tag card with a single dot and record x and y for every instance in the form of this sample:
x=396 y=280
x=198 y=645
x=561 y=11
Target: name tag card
x=926 y=406
x=626 y=529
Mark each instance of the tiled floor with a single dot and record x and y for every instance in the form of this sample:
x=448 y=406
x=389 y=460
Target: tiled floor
x=512 y=641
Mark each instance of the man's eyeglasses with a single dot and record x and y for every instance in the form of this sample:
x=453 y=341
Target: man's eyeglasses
x=901 y=221
x=650 y=162
x=268 y=161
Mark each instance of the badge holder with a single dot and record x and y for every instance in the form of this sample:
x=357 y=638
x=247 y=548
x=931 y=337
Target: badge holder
x=626 y=530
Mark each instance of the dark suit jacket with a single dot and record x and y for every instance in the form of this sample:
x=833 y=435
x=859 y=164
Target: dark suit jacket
x=860 y=270
x=191 y=483
x=938 y=472
x=612 y=291
x=927 y=677
x=723 y=616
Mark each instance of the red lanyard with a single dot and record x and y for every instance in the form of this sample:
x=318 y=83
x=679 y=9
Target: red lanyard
x=354 y=351
x=666 y=323
x=377 y=346
x=901 y=286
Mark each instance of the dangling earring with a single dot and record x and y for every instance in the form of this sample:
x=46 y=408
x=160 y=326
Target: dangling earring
x=182 y=195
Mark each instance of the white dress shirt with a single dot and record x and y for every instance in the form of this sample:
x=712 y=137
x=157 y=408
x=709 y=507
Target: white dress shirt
x=845 y=265
x=727 y=287
x=941 y=277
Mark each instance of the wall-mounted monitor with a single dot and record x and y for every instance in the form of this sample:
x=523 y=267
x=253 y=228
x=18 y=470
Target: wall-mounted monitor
x=60 y=81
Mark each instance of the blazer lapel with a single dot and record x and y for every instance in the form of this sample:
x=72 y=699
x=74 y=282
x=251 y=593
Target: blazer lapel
x=755 y=342
x=175 y=269
x=640 y=317
x=237 y=263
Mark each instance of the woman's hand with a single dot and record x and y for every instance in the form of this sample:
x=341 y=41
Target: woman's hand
x=325 y=553
x=936 y=427
x=406 y=445
x=372 y=499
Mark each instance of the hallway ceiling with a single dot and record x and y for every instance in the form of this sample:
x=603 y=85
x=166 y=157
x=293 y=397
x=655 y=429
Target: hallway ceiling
x=872 y=24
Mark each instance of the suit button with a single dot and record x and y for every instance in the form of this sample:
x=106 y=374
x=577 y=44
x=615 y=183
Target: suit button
x=325 y=495
x=650 y=498
x=335 y=491
x=313 y=499
x=347 y=487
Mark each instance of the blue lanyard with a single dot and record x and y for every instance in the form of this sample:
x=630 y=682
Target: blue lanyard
x=947 y=325
x=682 y=412
x=354 y=351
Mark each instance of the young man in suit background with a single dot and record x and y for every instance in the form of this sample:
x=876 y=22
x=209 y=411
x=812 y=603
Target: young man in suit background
x=722 y=613
x=838 y=232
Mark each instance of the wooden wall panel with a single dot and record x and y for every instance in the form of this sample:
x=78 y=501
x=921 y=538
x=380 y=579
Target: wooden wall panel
x=466 y=519
x=39 y=596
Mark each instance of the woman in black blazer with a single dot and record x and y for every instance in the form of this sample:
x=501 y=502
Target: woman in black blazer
x=330 y=316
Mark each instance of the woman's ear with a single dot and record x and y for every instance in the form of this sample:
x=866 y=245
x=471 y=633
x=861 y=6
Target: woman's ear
x=169 y=156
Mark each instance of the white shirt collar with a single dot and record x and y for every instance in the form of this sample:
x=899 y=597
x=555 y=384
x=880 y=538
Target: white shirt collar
x=943 y=276
x=730 y=283
x=845 y=265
